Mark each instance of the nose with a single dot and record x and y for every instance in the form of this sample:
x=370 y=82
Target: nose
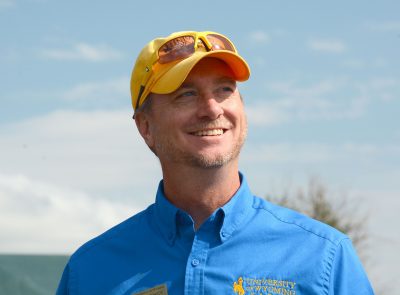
x=209 y=108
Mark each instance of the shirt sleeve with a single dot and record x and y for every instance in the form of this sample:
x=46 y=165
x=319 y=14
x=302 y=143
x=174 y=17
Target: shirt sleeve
x=63 y=288
x=347 y=274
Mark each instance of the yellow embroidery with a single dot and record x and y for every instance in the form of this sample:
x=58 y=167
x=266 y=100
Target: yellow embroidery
x=263 y=286
x=238 y=286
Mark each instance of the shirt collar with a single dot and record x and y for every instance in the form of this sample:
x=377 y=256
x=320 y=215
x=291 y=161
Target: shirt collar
x=233 y=213
x=166 y=215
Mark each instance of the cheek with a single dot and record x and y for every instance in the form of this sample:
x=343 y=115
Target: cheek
x=164 y=130
x=157 y=131
x=235 y=111
x=244 y=125
x=150 y=137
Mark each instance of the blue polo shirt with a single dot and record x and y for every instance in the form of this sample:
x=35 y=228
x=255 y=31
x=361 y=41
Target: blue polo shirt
x=247 y=247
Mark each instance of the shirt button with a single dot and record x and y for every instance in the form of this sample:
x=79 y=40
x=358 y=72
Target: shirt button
x=195 y=262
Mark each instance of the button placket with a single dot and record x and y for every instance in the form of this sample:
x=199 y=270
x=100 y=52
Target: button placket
x=194 y=278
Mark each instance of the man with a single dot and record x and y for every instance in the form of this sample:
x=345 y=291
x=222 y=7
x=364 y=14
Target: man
x=206 y=232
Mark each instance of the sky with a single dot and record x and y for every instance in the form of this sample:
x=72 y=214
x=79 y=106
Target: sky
x=322 y=102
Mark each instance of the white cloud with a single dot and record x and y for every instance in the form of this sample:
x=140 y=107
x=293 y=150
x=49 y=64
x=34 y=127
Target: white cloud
x=380 y=62
x=309 y=152
x=354 y=64
x=260 y=61
x=327 y=45
x=359 y=64
x=7 y=3
x=266 y=115
x=106 y=90
x=382 y=89
x=318 y=101
x=43 y=218
x=291 y=89
x=386 y=26
x=260 y=37
x=99 y=152
x=83 y=51
x=9 y=55
x=286 y=152
x=286 y=102
x=67 y=176
x=382 y=83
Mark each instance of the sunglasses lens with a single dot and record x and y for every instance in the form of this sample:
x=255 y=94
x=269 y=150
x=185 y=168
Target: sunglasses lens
x=176 y=49
x=220 y=42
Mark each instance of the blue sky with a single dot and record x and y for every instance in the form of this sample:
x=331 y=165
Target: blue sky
x=323 y=101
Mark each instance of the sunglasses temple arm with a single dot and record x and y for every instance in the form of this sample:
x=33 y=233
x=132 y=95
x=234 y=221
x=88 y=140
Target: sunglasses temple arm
x=139 y=95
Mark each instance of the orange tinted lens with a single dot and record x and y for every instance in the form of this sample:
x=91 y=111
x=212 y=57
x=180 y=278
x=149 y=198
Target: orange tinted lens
x=175 y=49
x=220 y=42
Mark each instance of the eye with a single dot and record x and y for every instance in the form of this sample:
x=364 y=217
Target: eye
x=185 y=96
x=228 y=89
x=226 y=86
x=224 y=91
x=187 y=93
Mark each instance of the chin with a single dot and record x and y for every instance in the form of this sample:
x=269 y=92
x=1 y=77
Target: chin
x=207 y=161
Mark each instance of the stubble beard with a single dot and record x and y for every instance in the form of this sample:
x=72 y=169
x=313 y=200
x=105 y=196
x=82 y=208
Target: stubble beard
x=173 y=154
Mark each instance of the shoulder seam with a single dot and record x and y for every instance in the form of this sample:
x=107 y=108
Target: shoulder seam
x=334 y=242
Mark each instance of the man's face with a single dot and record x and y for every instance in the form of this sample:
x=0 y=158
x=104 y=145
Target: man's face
x=201 y=124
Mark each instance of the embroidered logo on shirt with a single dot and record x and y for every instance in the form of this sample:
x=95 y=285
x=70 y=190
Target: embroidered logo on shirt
x=157 y=290
x=238 y=286
x=264 y=286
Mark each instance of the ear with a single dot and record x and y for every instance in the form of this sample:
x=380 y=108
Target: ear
x=144 y=125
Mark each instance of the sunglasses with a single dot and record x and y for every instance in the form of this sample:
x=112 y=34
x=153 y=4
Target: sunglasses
x=184 y=46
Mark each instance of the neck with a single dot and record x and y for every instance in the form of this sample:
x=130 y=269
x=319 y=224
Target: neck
x=200 y=191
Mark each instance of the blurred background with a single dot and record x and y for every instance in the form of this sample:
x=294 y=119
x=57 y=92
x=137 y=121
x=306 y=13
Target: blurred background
x=323 y=108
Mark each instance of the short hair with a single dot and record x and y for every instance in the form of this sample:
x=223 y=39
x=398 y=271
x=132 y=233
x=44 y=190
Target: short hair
x=145 y=108
x=146 y=105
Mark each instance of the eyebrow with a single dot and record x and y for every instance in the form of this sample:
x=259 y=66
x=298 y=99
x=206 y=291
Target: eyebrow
x=186 y=85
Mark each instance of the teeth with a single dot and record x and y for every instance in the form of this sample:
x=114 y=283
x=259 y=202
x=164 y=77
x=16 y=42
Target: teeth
x=212 y=132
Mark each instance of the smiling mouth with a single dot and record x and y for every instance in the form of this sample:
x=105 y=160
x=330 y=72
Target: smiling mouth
x=210 y=132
